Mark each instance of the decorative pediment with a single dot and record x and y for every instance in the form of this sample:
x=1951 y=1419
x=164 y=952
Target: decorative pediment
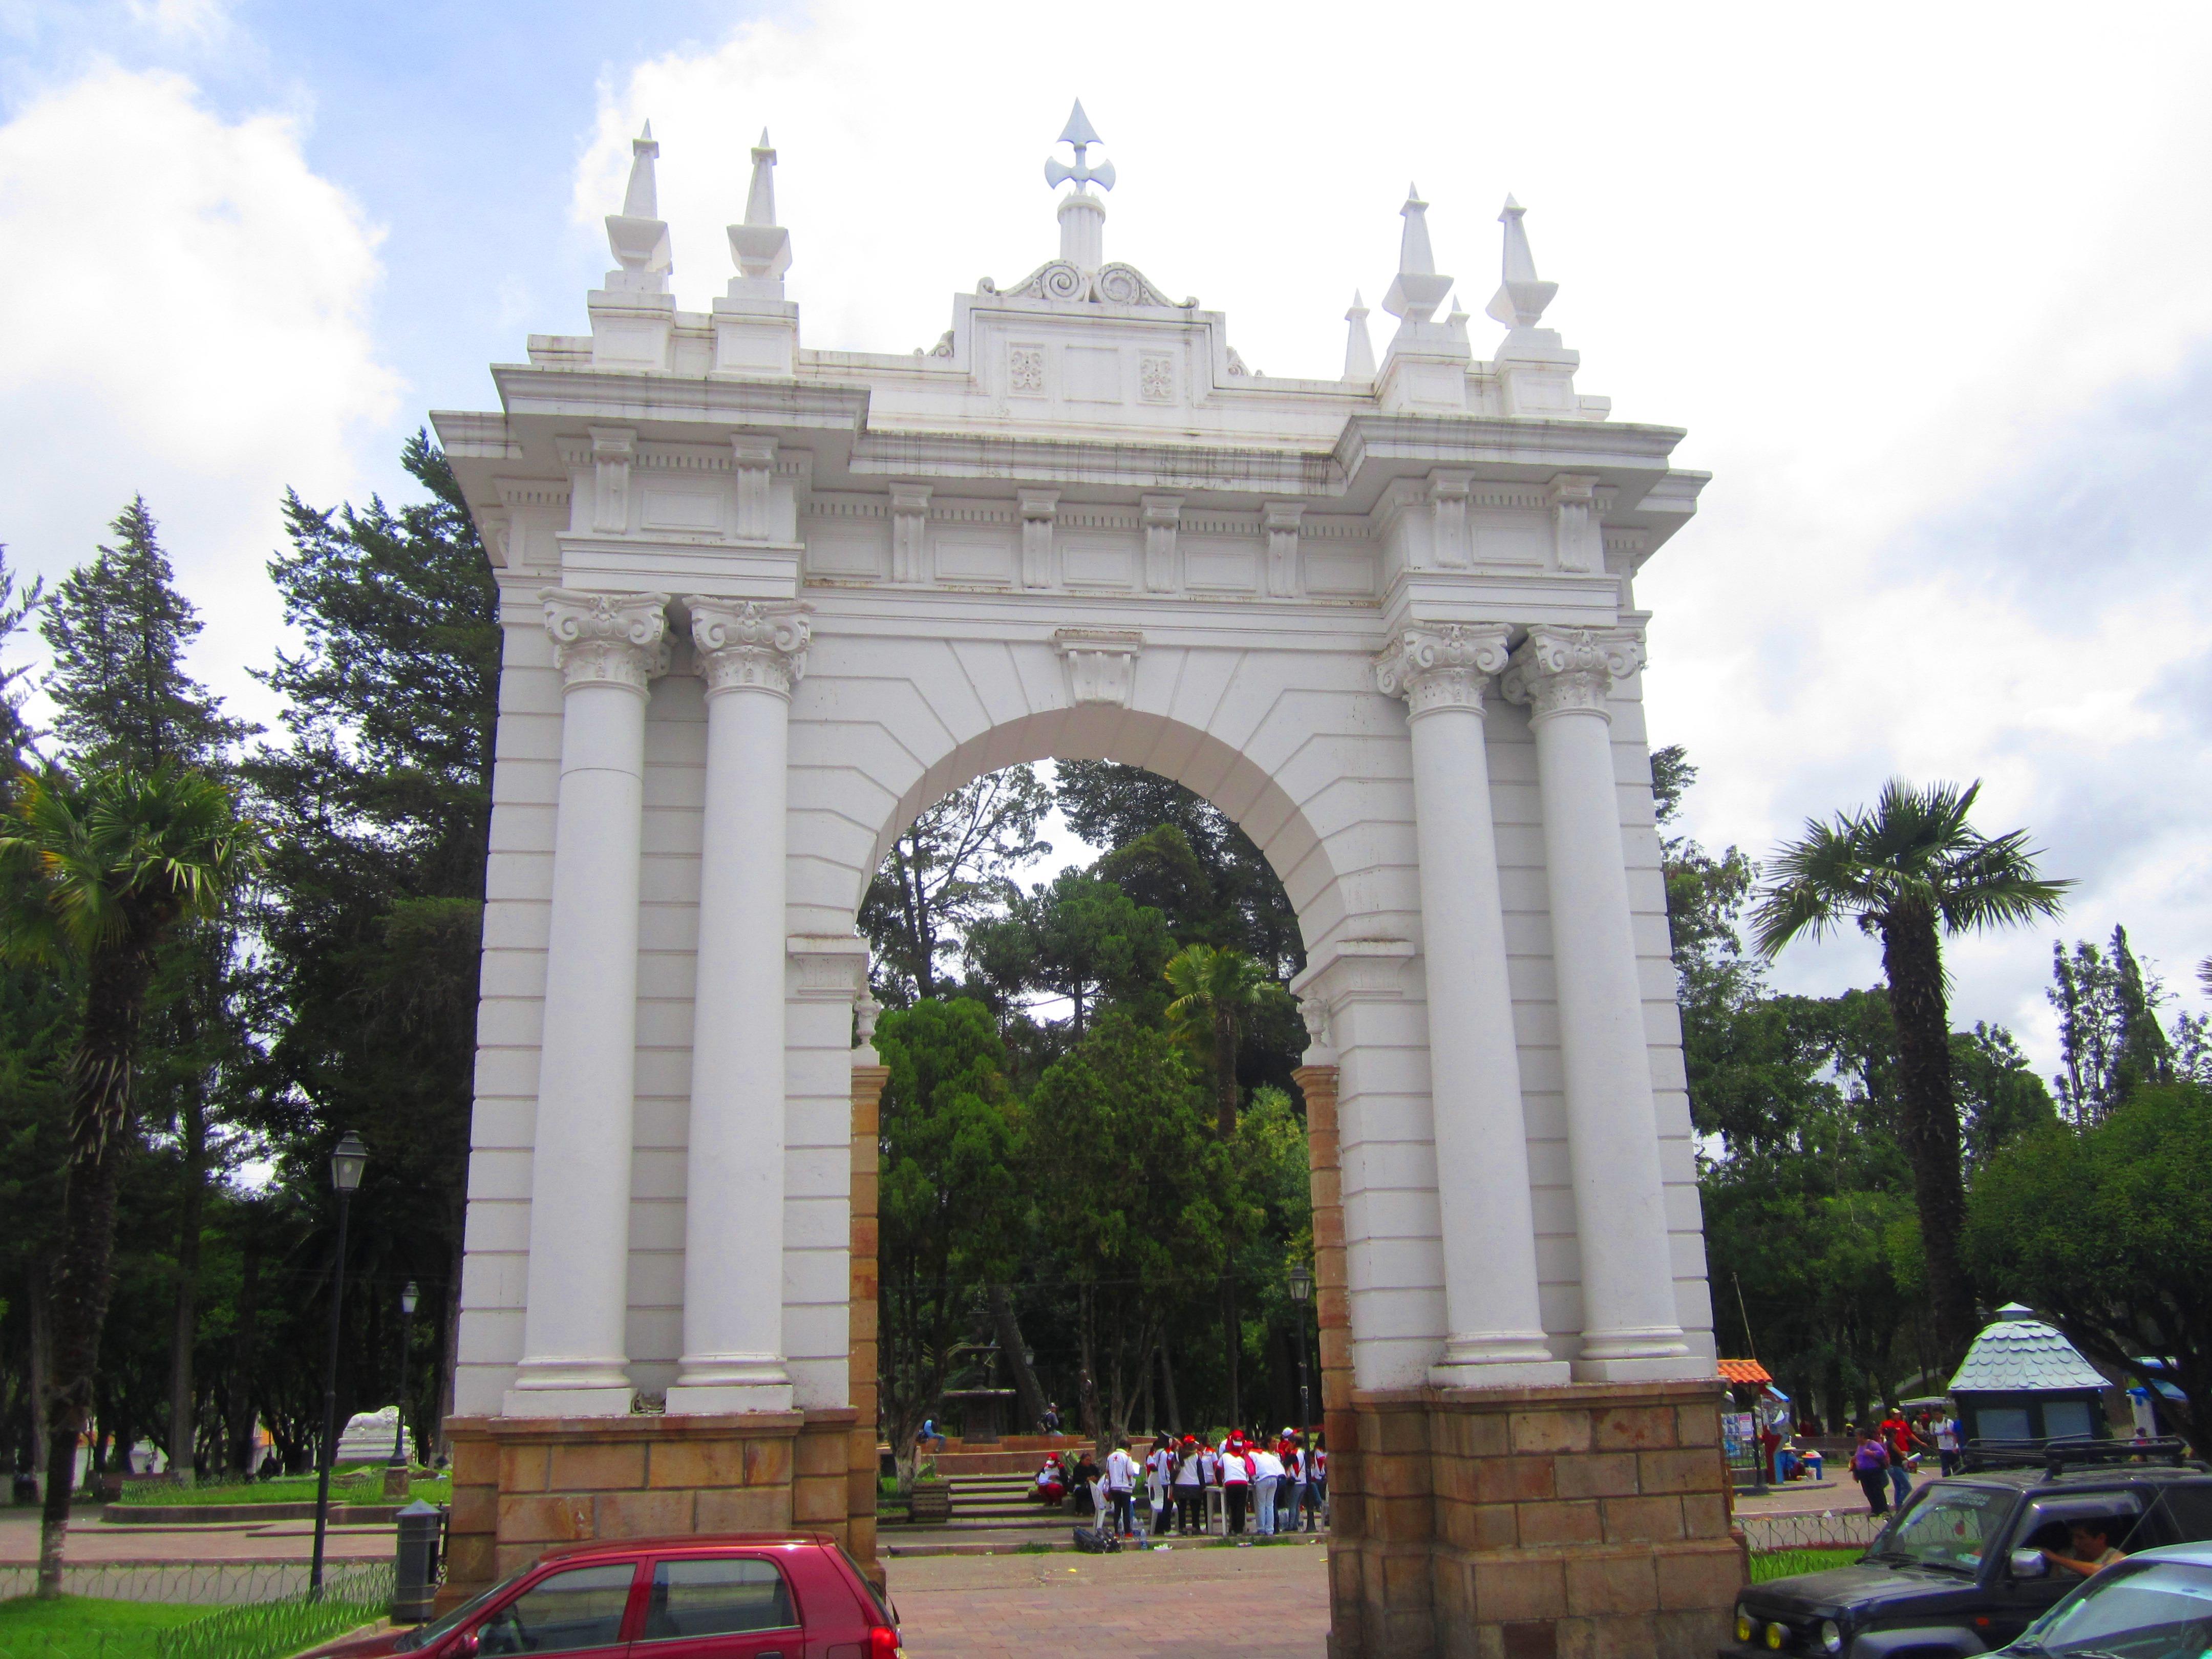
x=1111 y=285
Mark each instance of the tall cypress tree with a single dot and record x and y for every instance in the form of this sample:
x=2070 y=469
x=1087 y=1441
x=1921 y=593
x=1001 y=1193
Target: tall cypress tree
x=120 y=629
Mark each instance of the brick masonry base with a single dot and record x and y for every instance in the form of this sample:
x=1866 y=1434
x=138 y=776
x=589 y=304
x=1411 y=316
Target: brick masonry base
x=1581 y=1521
x=522 y=1484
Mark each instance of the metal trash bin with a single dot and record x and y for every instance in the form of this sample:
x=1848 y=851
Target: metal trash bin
x=415 y=1568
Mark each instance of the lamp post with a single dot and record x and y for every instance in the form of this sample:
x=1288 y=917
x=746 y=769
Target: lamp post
x=347 y=1159
x=1301 y=1292
x=408 y=1298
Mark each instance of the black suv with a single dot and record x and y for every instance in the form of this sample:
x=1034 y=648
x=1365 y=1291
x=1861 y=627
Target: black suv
x=1958 y=1569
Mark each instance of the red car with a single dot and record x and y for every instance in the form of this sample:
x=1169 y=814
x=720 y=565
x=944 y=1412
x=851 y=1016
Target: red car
x=738 y=1595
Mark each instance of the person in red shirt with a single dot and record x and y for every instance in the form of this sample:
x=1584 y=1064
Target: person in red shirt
x=1896 y=1438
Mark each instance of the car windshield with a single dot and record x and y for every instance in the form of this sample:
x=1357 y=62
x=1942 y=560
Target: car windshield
x=423 y=1635
x=2136 y=1610
x=1945 y=1528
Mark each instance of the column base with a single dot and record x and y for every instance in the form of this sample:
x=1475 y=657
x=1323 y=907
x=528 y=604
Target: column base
x=522 y=1484
x=715 y=1399
x=1544 y=1522
x=1453 y=1372
x=604 y=1401
x=1642 y=1368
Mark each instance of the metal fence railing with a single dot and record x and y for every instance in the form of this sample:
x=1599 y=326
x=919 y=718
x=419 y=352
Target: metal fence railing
x=354 y=1594
x=1829 y=1529
x=208 y=1583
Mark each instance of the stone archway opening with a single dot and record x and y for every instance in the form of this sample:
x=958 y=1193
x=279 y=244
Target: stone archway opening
x=1164 y=868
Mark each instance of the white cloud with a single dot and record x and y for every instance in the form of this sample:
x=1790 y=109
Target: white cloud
x=1884 y=264
x=187 y=305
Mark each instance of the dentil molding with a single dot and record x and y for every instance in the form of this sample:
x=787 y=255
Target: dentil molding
x=607 y=639
x=1559 y=670
x=744 y=645
x=1442 y=667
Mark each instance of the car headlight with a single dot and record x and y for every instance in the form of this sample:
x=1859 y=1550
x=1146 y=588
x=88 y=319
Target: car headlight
x=1776 y=1635
x=1832 y=1636
x=1744 y=1628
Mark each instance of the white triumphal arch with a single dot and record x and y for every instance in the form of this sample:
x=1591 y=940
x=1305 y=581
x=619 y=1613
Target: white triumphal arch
x=764 y=602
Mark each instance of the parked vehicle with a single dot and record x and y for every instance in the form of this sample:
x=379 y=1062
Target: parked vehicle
x=745 y=1596
x=1960 y=1568
x=2157 y=1604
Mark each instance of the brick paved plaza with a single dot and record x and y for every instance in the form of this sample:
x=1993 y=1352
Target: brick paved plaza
x=1260 y=1603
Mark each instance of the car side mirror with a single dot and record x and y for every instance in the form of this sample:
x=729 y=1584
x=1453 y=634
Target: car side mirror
x=2030 y=1564
x=464 y=1646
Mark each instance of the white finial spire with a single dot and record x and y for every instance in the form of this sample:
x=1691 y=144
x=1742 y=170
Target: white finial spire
x=1417 y=289
x=1082 y=215
x=1358 y=349
x=638 y=235
x=760 y=245
x=1079 y=132
x=1520 y=301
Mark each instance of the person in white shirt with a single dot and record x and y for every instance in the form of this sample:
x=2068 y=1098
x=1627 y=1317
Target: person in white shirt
x=1947 y=1448
x=1235 y=1479
x=1121 y=1487
x=1266 y=1475
x=1159 y=1471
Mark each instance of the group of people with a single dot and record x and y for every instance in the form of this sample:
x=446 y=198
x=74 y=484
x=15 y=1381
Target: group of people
x=1887 y=1453
x=1278 y=1486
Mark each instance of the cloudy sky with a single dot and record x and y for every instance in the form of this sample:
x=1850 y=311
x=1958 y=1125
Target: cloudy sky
x=1928 y=285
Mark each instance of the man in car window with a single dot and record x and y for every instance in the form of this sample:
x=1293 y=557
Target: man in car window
x=2092 y=1547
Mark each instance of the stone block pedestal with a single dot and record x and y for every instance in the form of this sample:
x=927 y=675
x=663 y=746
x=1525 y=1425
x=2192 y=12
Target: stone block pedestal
x=524 y=1484
x=1578 y=1522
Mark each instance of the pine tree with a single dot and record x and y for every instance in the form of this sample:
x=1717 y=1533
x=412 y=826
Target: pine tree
x=119 y=630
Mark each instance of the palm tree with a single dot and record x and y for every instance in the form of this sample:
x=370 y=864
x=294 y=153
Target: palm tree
x=1909 y=872
x=1217 y=995
x=97 y=875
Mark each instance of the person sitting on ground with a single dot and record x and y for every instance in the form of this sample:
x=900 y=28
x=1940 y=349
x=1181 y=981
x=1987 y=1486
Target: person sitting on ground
x=2091 y=1542
x=1051 y=1484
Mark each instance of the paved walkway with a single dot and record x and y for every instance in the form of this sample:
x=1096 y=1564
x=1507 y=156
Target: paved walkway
x=1266 y=1602
x=90 y=1542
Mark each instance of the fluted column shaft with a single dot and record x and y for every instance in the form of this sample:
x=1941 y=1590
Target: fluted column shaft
x=1496 y=1335
x=1631 y=1328
x=751 y=654
x=575 y=1357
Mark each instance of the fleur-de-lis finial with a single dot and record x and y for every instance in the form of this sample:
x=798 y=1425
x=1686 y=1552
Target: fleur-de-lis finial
x=1077 y=132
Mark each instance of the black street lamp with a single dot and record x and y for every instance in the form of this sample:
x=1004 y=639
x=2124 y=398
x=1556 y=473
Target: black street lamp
x=347 y=1159
x=408 y=1298
x=1301 y=1292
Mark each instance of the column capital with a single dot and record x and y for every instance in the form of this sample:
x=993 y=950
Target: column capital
x=746 y=645
x=1559 y=671
x=607 y=639
x=1442 y=666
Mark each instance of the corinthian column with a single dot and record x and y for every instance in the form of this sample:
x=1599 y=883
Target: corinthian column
x=1497 y=1329
x=751 y=654
x=1631 y=1330
x=574 y=1363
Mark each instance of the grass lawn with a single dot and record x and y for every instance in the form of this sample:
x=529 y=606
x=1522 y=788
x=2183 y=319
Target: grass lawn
x=1788 y=1563
x=347 y=1487
x=98 y=1629
x=21 y=1615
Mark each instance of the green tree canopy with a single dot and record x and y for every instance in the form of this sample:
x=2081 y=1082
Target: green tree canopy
x=950 y=1206
x=1136 y=1199
x=2107 y=1232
